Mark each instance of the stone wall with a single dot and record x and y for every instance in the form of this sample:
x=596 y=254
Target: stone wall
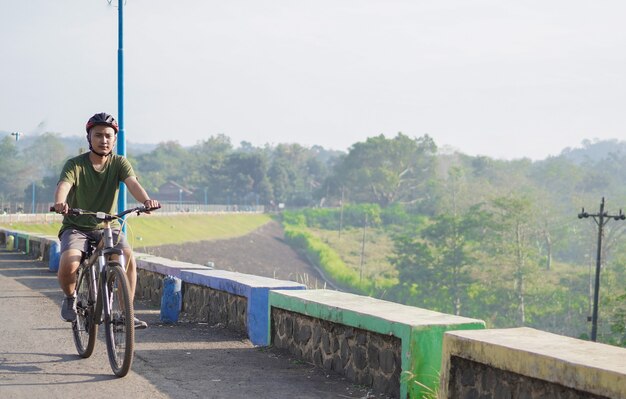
x=214 y=307
x=149 y=286
x=469 y=379
x=365 y=357
x=200 y=303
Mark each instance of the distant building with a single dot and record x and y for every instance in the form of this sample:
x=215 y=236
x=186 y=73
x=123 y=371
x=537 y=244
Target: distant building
x=173 y=192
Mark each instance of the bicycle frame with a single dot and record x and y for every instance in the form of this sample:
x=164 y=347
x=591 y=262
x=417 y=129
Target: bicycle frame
x=103 y=250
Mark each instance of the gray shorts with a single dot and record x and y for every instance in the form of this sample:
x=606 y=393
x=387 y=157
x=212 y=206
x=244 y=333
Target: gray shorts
x=77 y=239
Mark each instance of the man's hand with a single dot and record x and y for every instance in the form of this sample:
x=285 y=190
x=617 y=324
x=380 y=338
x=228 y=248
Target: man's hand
x=151 y=204
x=62 y=208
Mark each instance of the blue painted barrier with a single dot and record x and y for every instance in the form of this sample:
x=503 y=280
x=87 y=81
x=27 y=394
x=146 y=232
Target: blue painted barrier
x=171 y=300
x=54 y=256
x=255 y=288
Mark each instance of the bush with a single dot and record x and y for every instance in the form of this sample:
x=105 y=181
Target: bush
x=324 y=218
x=354 y=215
x=327 y=259
x=394 y=214
x=294 y=218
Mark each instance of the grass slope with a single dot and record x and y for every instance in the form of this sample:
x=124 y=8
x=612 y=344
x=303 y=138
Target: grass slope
x=374 y=262
x=154 y=230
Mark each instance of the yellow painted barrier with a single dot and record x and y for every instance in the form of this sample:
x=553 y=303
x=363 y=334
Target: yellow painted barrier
x=10 y=241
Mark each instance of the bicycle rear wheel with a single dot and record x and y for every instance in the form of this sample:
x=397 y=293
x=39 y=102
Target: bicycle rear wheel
x=119 y=325
x=84 y=329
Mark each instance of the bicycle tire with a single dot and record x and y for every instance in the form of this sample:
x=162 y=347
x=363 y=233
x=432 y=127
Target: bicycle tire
x=84 y=329
x=119 y=325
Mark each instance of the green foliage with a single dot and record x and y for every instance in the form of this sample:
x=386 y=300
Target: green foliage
x=352 y=215
x=618 y=325
x=385 y=171
x=294 y=218
x=394 y=214
x=327 y=259
x=435 y=263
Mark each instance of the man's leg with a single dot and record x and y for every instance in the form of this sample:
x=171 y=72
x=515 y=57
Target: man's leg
x=68 y=264
x=131 y=271
x=131 y=275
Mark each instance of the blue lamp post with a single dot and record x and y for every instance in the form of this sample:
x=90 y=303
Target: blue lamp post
x=121 y=136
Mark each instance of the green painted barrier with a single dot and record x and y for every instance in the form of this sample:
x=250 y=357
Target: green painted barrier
x=26 y=239
x=421 y=331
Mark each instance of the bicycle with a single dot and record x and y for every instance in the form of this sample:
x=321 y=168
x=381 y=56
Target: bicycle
x=98 y=277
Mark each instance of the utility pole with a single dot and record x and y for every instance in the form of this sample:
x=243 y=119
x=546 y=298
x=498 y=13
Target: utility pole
x=33 y=205
x=601 y=218
x=341 y=214
x=363 y=249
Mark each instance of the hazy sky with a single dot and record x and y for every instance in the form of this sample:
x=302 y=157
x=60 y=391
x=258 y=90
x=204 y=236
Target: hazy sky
x=501 y=78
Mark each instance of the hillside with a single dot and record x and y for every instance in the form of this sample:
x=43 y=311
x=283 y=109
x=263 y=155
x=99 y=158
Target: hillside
x=262 y=252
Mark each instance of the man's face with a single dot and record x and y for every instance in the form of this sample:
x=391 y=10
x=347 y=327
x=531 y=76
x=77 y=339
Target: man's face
x=102 y=138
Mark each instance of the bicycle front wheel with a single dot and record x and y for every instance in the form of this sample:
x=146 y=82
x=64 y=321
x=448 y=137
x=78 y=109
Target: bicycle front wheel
x=119 y=325
x=84 y=329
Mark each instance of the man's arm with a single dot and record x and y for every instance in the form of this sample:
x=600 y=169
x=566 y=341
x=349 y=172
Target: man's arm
x=60 y=197
x=139 y=193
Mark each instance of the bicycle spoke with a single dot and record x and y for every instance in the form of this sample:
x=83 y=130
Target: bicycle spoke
x=119 y=327
x=84 y=330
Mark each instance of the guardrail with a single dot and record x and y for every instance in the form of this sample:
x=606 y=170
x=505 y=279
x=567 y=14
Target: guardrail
x=528 y=363
x=166 y=210
x=400 y=350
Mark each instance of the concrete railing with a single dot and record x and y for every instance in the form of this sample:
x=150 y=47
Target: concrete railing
x=392 y=347
x=166 y=210
x=30 y=218
x=42 y=247
x=399 y=350
x=215 y=296
x=528 y=363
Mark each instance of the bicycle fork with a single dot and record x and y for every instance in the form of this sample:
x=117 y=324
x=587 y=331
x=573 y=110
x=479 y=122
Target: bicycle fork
x=107 y=298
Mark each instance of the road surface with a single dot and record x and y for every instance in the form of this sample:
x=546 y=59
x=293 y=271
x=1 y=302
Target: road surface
x=38 y=357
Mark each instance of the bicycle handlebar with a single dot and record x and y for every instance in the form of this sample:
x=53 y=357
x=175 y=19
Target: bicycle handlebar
x=106 y=216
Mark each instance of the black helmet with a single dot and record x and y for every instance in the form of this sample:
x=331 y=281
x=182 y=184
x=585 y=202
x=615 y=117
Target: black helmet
x=102 y=119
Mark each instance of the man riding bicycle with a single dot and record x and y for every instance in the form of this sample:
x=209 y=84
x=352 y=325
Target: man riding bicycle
x=91 y=181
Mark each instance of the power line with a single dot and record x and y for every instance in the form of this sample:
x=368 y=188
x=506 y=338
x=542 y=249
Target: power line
x=601 y=218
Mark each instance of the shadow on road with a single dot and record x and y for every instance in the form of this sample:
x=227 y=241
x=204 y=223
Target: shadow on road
x=186 y=360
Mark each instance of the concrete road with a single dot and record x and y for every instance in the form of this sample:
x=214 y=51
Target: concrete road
x=38 y=357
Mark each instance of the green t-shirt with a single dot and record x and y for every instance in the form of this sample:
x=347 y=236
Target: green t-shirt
x=93 y=190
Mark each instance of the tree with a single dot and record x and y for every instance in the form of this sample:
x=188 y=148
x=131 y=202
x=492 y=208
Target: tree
x=207 y=166
x=296 y=172
x=514 y=251
x=246 y=177
x=168 y=161
x=385 y=171
x=437 y=264
x=50 y=154
x=281 y=176
x=13 y=179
